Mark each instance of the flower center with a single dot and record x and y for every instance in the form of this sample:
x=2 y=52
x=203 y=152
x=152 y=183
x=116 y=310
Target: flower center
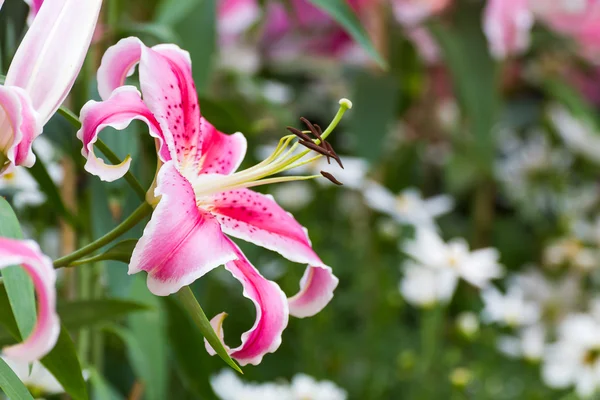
x=591 y=356
x=284 y=158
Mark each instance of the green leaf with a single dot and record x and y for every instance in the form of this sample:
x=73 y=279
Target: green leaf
x=187 y=346
x=101 y=389
x=197 y=30
x=11 y=385
x=170 y=12
x=17 y=282
x=79 y=314
x=191 y=305
x=63 y=363
x=474 y=78
x=341 y=12
x=150 y=333
x=374 y=110
x=73 y=315
x=119 y=252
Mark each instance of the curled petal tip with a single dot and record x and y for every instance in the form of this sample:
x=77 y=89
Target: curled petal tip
x=39 y=267
x=346 y=103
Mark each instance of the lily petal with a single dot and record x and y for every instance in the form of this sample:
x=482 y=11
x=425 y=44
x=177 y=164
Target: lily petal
x=170 y=93
x=180 y=243
x=124 y=106
x=52 y=52
x=221 y=153
x=316 y=291
x=271 y=313
x=16 y=111
x=39 y=267
x=257 y=218
x=118 y=62
x=34 y=8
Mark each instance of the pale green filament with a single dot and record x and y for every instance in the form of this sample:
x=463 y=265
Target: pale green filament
x=282 y=159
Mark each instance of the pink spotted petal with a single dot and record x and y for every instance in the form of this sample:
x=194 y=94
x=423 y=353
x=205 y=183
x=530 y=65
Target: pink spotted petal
x=124 y=106
x=170 y=94
x=221 y=153
x=271 y=313
x=180 y=243
x=316 y=291
x=257 y=218
x=16 y=111
x=52 y=52
x=118 y=62
x=39 y=267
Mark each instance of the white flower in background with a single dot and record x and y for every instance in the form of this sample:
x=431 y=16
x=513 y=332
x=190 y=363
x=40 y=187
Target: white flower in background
x=468 y=324
x=426 y=287
x=529 y=169
x=556 y=298
x=477 y=267
x=305 y=387
x=571 y=251
x=530 y=343
x=577 y=201
x=579 y=136
x=38 y=380
x=21 y=185
x=228 y=386
x=293 y=195
x=511 y=309
x=408 y=207
x=574 y=359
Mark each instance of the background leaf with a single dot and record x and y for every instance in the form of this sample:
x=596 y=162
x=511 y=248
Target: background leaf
x=340 y=11
x=11 y=385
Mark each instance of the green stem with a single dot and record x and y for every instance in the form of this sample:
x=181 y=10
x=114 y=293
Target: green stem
x=112 y=157
x=138 y=215
x=131 y=180
x=190 y=304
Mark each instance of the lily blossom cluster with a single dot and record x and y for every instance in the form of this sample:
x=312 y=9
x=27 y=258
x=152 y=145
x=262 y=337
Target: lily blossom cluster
x=199 y=199
x=39 y=79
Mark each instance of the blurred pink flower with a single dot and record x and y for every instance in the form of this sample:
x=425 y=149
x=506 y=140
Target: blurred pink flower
x=507 y=25
x=579 y=20
x=290 y=31
x=414 y=12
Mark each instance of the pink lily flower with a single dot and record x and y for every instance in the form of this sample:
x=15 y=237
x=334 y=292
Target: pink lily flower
x=39 y=267
x=199 y=199
x=42 y=73
x=507 y=25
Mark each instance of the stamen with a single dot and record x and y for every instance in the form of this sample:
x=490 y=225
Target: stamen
x=311 y=145
x=299 y=133
x=334 y=155
x=331 y=178
x=312 y=129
